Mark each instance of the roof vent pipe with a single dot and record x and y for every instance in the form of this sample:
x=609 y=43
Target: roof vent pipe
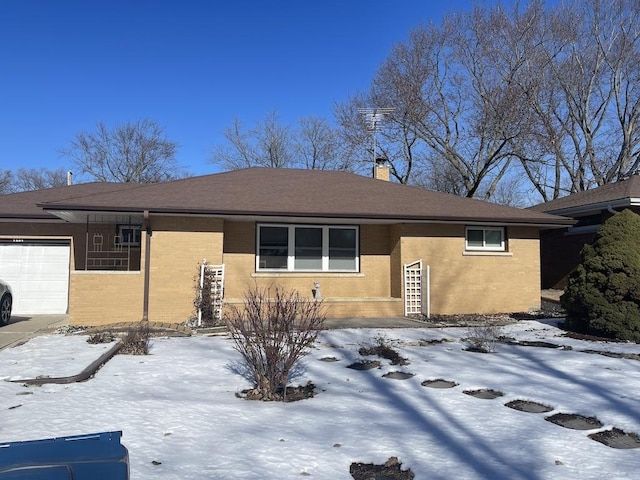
x=69 y=178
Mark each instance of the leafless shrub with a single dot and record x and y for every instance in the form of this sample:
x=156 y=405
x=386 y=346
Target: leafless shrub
x=101 y=337
x=136 y=340
x=483 y=338
x=273 y=330
x=383 y=349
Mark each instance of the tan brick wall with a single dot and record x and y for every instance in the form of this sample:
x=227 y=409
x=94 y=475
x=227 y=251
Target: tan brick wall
x=476 y=283
x=101 y=298
x=178 y=246
x=350 y=307
x=367 y=293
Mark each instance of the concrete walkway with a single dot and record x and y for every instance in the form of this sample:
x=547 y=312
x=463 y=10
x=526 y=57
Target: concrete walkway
x=22 y=328
x=390 y=322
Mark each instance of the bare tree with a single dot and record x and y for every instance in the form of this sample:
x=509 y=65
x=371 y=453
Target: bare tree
x=455 y=108
x=316 y=146
x=268 y=144
x=38 y=178
x=135 y=152
x=5 y=181
x=498 y=96
x=616 y=30
x=312 y=144
x=23 y=179
x=394 y=141
x=584 y=98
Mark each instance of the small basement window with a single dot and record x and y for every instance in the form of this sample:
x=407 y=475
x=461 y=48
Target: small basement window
x=485 y=238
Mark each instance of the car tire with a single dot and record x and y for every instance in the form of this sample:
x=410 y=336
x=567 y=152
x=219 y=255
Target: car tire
x=5 y=309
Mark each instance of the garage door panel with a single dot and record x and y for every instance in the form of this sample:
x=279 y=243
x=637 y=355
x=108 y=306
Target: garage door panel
x=38 y=275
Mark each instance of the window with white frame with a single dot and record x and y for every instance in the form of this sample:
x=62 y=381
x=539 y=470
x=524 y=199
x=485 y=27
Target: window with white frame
x=485 y=238
x=310 y=248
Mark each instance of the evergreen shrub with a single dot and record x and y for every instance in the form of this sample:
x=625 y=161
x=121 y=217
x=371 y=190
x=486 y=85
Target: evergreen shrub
x=603 y=293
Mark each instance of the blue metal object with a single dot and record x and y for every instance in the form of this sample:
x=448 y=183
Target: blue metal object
x=98 y=456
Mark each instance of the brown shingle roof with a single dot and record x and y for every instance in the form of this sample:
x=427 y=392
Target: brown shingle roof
x=24 y=204
x=300 y=193
x=615 y=194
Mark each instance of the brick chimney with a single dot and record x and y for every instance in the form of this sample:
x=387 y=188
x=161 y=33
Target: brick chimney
x=381 y=169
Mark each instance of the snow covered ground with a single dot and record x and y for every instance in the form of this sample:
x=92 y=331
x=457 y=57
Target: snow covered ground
x=177 y=407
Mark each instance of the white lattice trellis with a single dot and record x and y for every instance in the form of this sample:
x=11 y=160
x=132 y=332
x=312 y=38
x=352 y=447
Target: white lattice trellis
x=416 y=289
x=216 y=273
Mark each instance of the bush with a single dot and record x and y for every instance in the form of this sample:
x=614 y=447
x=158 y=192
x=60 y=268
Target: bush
x=136 y=340
x=483 y=338
x=603 y=293
x=272 y=332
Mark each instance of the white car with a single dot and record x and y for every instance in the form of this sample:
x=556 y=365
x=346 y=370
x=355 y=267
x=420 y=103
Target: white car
x=6 y=301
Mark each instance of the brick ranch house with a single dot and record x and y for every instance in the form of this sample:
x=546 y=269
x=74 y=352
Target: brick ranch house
x=560 y=248
x=107 y=252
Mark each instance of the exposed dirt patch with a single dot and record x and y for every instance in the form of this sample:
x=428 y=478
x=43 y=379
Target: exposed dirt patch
x=477 y=349
x=574 y=421
x=386 y=352
x=291 y=394
x=529 y=407
x=534 y=343
x=391 y=470
x=627 y=356
x=365 y=365
x=398 y=375
x=591 y=338
x=439 y=383
x=484 y=393
x=435 y=341
x=469 y=320
x=329 y=359
x=617 y=438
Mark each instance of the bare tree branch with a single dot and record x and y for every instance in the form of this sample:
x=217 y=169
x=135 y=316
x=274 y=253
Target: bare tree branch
x=135 y=152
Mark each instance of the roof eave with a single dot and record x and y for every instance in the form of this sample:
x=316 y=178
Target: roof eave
x=596 y=207
x=11 y=217
x=67 y=214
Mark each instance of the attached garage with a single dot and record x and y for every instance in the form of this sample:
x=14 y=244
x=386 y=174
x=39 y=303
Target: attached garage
x=38 y=272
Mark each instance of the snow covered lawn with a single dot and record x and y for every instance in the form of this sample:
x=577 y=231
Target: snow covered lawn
x=177 y=407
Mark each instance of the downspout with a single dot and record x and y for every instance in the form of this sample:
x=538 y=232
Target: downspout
x=611 y=210
x=147 y=260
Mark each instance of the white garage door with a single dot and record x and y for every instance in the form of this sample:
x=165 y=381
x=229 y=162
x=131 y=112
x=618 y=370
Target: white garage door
x=38 y=274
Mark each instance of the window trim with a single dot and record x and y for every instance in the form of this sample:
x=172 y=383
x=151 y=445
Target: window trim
x=484 y=247
x=291 y=230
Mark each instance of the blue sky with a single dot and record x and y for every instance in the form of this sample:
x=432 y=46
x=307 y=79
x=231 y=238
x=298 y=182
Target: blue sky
x=192 y=66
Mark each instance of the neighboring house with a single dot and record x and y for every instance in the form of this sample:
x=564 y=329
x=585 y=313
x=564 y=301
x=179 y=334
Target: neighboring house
x=125 y=252
x=560 y=248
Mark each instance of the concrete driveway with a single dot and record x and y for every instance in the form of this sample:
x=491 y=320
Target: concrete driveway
x=22 y=328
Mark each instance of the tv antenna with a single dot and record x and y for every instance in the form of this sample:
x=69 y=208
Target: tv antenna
x=373 y=117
